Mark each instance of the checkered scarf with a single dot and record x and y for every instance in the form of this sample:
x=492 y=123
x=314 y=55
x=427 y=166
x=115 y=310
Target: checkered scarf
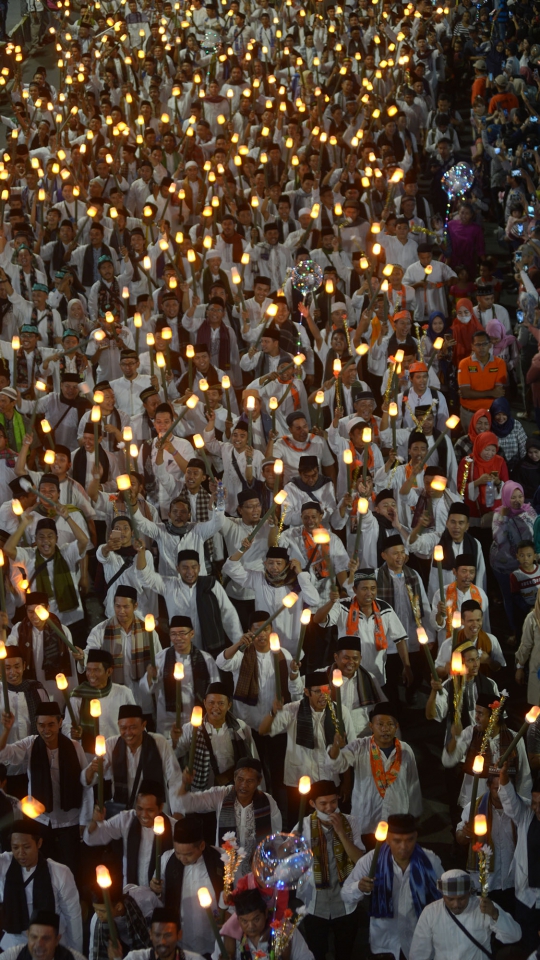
x=203 y=509
x=138 y=937
x=140 y=649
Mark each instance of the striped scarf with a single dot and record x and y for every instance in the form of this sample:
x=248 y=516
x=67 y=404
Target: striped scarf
x=385 y=585
x=140 y=648
x=247 y=685
x=261 y=810
x=203 y=510
x=319 y=847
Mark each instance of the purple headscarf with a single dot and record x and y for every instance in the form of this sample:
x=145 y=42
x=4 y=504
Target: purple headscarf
x=506 y=493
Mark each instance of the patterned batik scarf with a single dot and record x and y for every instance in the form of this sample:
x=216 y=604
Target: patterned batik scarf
x=140 y=649
x=247 y=685
x=319 y=848
x=317 y=554
x=353 y=620
x=384 y=778
x=451 y=603
x=385 y=585
x=261 y=810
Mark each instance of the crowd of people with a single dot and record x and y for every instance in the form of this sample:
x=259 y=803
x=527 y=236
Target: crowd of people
x=270 y=483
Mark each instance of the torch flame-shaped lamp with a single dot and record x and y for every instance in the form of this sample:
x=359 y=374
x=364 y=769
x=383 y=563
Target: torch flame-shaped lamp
x=423 y=640
x=337 y=681
x=456 y=627
x=104 y=881
x=150 y=626
x=3 y=655
x=100 y=751
x=380 y=836
x=95 y=713
x=31 y=807
x=196 y=722
x=159 y=830
x=178 y=676
x=478 y=768
x=438 y=556
x=304 y=786
x=205 y=900
x=62 y=685
x=275 y=647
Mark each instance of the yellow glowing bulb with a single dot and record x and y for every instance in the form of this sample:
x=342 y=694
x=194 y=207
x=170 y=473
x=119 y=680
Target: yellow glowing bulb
x=149 y=623
x=480 y=825
x=31 y=807
x=347 y=457
x=363 y=505
x=438 y=555
x=42 y=613
x=478 y=764
x=103 y=877
x=337 y=678
x=304 y=785
x=278 y=467
x=422 y=635
x=123 y=482
x=456 y=663
x=366 y=435
x=275 y=645
x=95 y=708
x=204 y=896
x=159 y=825
x=280 y=497
x=321 y=535
x=178 y=672
x=196 y=717
x=101 y=746
x=95 y=414
x=452 y=422
x=381 y=831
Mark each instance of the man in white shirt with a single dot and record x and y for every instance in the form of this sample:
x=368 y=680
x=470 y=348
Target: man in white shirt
x=312 y=726
x=525 y=814
x=486 y=308
x=400 y=249
x=165 y=934
x=24 y=694
x=386 y=777
x=429 y=284
x=299 y=442
x=335 y=841
x=28 y=879
x=127 y=389
x=54 y=764
x=461 y=924
x=190 y=865
x=43 y=939
x=134 y=756
x=242 y=809
x=98 y=685
x=401 y=863
x=135 y=828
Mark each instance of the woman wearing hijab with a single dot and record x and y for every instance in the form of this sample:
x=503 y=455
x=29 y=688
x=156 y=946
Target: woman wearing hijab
x=480 y=423
x=504 y=344
x=481 y=476
x=464 y=327
x=513 y=522
x=511 y=435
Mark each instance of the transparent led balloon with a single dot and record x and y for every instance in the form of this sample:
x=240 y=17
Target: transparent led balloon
x=281 y=860
x=456 y=181
x=307 y=277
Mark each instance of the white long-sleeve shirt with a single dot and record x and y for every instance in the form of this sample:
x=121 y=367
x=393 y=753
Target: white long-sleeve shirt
x=267 y=597
x=402 y=795
x=437 y=937
x=253 y=715
x=390 y=934
x=95 y=641
x=20 y=753
x=165 y=719
x=197 y=933
x=51 y=690
x=117 y=828
x=181 y=599
x=301 y=760
x=523 y=780
x=66 y=899
x=110 y=705
x=373 y=659
x=213 y=799
x=171 y=771
x=501 y=872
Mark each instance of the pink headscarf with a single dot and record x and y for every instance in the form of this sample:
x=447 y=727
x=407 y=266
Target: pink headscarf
x=508 y=489
x=494 y=328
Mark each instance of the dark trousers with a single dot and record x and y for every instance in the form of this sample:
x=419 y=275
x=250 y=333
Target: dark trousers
x=316 y=933
x=529 y=921
x=63 y=845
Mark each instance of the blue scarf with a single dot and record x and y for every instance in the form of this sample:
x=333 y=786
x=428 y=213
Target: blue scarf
x=422 y=880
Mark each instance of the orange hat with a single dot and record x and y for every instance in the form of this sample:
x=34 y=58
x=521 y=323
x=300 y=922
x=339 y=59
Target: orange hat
x=402 y=313
x=418 y=367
